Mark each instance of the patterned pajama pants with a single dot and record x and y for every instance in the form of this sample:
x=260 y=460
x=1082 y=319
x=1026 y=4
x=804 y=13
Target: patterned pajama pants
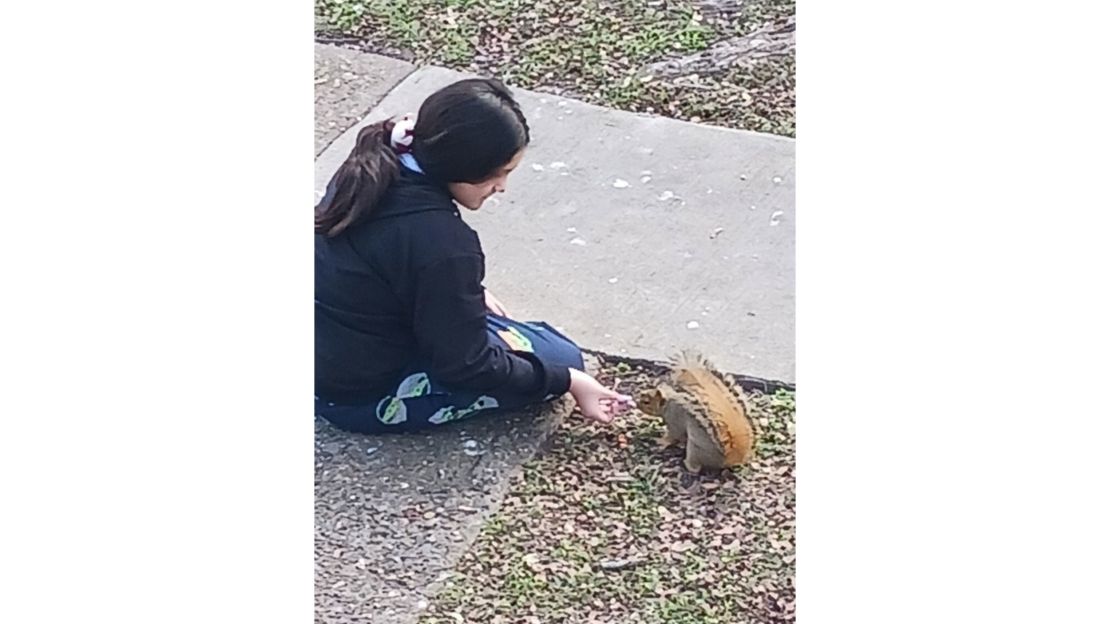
x=420 y=402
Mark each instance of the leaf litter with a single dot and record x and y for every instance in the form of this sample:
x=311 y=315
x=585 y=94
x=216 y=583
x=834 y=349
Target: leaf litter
x=605 y=526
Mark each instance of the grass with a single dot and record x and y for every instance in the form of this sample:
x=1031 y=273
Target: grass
x=714 y=548
x=595 y=51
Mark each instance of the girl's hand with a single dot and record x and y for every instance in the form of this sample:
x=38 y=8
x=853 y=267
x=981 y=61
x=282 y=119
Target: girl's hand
x=595 y=401
x=493 y=304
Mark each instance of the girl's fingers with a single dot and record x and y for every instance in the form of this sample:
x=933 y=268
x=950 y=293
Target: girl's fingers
x=603 y=416
x=610 y=405
x=620 y=399
x=612 y=408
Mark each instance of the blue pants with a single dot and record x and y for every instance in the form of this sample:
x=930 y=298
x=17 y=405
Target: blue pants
x=420 y=402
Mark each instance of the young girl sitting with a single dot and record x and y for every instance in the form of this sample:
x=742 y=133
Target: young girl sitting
x=406 y=335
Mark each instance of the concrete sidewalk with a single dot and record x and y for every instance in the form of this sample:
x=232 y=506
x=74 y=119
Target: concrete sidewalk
x=394 y=513
x=347 y=85
x=638 y=235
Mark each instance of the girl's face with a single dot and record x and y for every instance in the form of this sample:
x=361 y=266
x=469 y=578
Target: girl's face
x=473 y=195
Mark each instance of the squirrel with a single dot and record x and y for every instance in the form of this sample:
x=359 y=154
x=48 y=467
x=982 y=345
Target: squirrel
x=699 y=408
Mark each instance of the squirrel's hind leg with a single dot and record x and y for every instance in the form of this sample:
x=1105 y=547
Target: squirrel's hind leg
x=702 y=451
x=691 y=461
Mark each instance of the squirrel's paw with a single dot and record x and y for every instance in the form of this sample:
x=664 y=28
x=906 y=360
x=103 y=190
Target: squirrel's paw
x=666 y=441
x=692 y=465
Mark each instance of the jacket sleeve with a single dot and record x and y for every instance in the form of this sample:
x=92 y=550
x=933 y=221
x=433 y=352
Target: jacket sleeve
x=453 y=337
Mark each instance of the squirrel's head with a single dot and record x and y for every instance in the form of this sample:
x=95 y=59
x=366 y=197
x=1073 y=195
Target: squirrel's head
x=651 y=401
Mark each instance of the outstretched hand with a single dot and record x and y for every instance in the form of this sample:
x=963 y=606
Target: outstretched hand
x=594 y=400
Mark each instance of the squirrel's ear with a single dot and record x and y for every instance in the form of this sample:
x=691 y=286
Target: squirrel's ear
x=660 y=396
x=650 y=400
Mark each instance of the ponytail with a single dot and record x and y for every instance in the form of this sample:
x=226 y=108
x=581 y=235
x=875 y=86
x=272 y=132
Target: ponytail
x=463 y=133
x=360 y=182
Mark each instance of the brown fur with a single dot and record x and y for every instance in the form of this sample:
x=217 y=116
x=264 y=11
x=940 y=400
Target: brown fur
x=700 y=410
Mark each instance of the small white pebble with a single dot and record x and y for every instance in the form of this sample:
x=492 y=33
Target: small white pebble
x=775 y=217
x=620 y=184
x=776 y=180
x=372 y=450
x=752 y=208
x=422 y=604
x=645 y=179
x=716 y=232
x=470 y=444
x=693 y=325
x=577 y=241
x=558 y=164
x=709 y=191
x=612 y=280
x=743 y=177
x=562 y=103
x=537 y=167
x=572 y=230
x=666 y=196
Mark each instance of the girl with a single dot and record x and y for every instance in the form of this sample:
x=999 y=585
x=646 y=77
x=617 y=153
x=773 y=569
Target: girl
x=406 y=335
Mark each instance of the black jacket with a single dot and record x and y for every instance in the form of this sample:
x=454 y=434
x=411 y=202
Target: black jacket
x=403 y=287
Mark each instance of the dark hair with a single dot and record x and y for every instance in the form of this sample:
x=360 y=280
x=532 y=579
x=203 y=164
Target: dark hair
x=463 y=133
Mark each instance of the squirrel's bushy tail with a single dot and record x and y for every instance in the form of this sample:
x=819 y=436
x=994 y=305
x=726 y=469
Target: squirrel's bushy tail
x=690 y=359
